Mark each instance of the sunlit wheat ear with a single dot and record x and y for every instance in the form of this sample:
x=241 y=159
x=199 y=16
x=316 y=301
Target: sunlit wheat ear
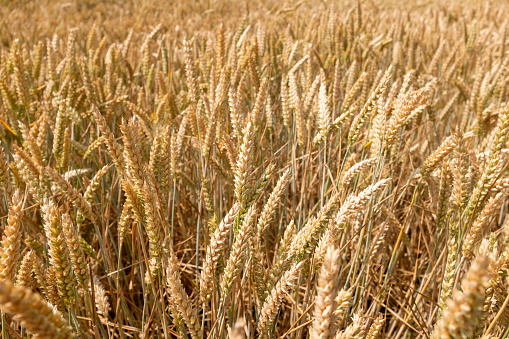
x=190 y=72
x=71 y=193
x=243 y=167
x=356 y=169
x=101 y=299
x=501 y=185
x=449 y=273
x=270 y=207
x=24 y=277
x=323 y=107
x=132 y=153
x=376 y=328
x=403 y=110
x=92 y=190
x=285 y=103
x=462 y=312
x=282 y=258
x=95 y=183
x=352 y=205
x=493 y=166
x=113 y=147
x=236 y=259
x=51 y=288
x=78 y=259
x=11 y=239
x=153 y=224
x=233 y=105
x=343 y=301
x=367 y=110
x=437 y=156
x=133 y=203
x=271 y=306
x=179 y=299
x=356 y=329
x=352 y=92
x=38 y=270
x=295 y=99
x=59 y=253
x=475 y=233
x=218 y=243
x=259 y=103
x=305 y=240
x=325 y=301
x=60 y=126
x=39 y=318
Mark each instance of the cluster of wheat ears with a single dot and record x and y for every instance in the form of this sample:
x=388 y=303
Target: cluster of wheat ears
x=304 y=170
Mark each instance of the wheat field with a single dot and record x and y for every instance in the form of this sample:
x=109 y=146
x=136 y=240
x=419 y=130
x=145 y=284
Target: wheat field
x=266 y=169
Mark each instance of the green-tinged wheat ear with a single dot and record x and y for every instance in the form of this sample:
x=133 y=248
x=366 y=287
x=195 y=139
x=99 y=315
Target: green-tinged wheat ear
x=94 y=184
x=281 y=259
x=296 y=104
x=270 y=207
x=59 y=133
x=306 y=239
x=190 y=72
x=93 y=146
x=39 y=318
x=4 y=173
x=39 y=271
x=237 y=254
x=323 y=116
x=492 y=169
x=59 y=253
x=91 y=190
x=217 y=244
x=76 y=253
x=271 y=305
x=449 y=274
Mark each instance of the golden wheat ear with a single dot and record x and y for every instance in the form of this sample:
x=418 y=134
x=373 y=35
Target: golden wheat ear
x=462 y=313
x=40 y=319
x=325 y=302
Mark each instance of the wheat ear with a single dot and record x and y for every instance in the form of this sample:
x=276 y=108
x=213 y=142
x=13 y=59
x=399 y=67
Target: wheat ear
x=274 y=300
x=217 y=245
x=39 y=318
x=325 y=303
x=462 y=313
x=11 y=240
